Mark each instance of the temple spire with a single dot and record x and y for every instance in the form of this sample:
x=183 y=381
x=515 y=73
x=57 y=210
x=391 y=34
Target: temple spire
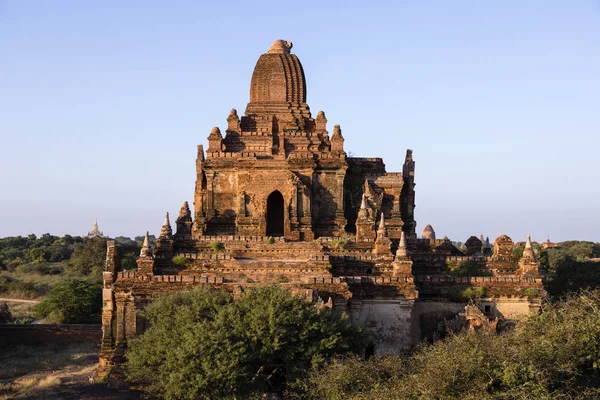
x=146 y=249
x=381 y=231
x=401 y=252
x=363 y=213
x=528 y=252
x=166 y=231
x=184 y=221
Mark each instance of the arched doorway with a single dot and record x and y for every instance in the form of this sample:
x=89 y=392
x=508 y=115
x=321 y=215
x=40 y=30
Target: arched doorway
x=275 y=214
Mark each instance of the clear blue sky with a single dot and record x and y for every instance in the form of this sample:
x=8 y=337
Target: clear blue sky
x=102 y=105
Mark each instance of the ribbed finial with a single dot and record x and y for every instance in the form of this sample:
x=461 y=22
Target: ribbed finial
x=280 y=47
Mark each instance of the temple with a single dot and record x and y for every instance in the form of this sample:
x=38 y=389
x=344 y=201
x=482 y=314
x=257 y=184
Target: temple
x=95 y=232
x=278 y=200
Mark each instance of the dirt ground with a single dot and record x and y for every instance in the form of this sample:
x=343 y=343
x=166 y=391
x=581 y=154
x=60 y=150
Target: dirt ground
x=54 y=372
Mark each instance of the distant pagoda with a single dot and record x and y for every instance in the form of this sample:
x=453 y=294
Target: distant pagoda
x=95 y=232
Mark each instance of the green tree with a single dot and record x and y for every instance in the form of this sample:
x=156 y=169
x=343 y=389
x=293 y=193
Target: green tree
x=256 y=344
x=73 y=301
x=88 y=258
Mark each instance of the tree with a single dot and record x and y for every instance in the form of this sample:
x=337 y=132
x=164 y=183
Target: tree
x=73 y=301
x=88 y=258
x=256 y=344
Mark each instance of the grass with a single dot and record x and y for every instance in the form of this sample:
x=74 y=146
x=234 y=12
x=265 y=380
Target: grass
x=55 y=371
x=340 y=243
x=17 y=361
x=21 y=312
x=24 y=285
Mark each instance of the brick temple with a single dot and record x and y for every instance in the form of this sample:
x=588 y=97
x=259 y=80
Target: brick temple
x=278 y=200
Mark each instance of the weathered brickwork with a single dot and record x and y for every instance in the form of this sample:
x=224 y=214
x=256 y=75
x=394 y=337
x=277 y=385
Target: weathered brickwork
x=278 y=200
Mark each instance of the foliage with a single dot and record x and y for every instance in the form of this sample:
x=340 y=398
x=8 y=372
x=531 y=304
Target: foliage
x=73 y=301
x=554 y=355
x=88 y=258
x=256 y=344
x=461 y=294
x=349 y=377
x=270 y=240
x=128 y=250
x=217 y=246
x=340 y=243
x=18 y=250
x=20 y=288
x=568 y=268
x=531 y=292
x=5 y=314
x=41 y=268
x=179 y=260
x=466 y=268
x=517 y=253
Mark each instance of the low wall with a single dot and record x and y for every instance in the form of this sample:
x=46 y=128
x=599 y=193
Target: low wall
x=42 y=334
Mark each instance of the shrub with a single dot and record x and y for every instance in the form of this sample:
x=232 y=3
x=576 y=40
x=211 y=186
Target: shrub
x=41 y=268
x=5 y=314
x=217 y=246
x=531 y=293
x=553 y=355
x=179 y=260
x=270 y=240
x=257 y=344
x=73 y=301
x=340 y=243
x=21 y=289
x=462 y=295
x=465 y=268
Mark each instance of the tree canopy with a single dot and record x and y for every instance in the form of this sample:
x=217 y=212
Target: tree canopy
x=256 y=344
x=73 y=301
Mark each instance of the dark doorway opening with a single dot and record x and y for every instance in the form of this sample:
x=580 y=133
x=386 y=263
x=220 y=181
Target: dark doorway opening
x=275 y=214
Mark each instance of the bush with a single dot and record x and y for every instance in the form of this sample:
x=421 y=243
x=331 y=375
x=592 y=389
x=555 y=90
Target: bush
x=270 y=240
x=340 y=243
x=554 y=355
x=466 y=268
x=20 y=289
x=217 y=246
x=462 y=295
x=257 y=344
x=179 y=260
x=42 y=268
x=6 y=316
x=73 y=301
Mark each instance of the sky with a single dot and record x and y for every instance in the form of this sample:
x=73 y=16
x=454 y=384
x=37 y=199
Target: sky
x=102 y=105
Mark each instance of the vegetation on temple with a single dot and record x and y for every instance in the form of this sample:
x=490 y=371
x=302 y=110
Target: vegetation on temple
x=257 y=344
